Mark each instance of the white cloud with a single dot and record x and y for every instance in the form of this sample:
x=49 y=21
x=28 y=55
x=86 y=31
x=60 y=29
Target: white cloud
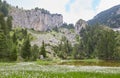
x=80 y=9
x=54 y=6
x=106 y=4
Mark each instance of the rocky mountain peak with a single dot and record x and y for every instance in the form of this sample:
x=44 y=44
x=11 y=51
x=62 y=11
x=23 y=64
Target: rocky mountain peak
x=79 y=25
x=37 y=19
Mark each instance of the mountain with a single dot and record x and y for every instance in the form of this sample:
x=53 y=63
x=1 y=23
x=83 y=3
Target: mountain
x=80 y=24
x=37 y=19
x=110 y=17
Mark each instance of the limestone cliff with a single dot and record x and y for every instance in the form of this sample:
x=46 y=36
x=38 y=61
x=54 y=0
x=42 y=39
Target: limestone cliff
x=79 y=25
x=37 y=19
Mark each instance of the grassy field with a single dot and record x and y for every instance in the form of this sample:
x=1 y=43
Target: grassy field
x=39 y=74
x=49 y=69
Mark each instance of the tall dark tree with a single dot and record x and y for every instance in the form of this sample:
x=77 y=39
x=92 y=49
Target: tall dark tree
x=13 y=53
x=4 y=8
x=14 y=38
x=42 y=49
x=3 y=26
x=9 y=23
x=26 y=49
x=116 y=54
x=35 y=52
x=3 y=45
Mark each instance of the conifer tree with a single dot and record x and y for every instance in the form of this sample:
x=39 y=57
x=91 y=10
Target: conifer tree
x=42 y=50
x=26 y=49
x=2 y=45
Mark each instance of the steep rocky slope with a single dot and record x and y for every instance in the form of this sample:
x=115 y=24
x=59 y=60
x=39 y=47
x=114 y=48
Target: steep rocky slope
x=52 y=38
x=110 y=17
x=37 y=19
x=80 y=24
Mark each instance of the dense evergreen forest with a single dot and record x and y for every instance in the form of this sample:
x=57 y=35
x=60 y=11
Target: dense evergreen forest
x=96 y=41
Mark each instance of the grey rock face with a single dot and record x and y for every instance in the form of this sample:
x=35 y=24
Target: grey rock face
x=37 y=19
x=79 y=25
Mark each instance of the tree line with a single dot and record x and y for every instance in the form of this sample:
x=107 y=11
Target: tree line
x=15 y=43
x=96 y=41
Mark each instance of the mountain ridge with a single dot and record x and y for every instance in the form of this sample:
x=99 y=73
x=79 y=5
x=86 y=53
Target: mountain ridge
x=37 y=19
x=109 y=17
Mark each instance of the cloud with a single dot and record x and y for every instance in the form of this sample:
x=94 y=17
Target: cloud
x=54 y=6
x=26 y=4
x=67 y=7
x=80 y=9
x=106 y=4
x=95 y=3
x=72 y=10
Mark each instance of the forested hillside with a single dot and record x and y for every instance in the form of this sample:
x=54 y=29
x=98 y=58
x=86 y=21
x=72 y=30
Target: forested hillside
x=14 y=43
x=18 y=44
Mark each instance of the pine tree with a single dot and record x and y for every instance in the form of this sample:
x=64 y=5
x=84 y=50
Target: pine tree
x=14 y=38
x=3 y=26
x=4 y=8
x=43 y=51
x=13 y=53
x=2 y=45
x=35 y=52
x=9 y=23
x=26 y=49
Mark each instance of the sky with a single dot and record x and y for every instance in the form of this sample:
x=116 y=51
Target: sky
x=72 y=10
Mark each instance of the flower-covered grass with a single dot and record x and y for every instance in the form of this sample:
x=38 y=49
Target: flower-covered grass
x=40 y=74
x=34 y=70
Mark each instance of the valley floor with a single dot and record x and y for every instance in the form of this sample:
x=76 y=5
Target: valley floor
x=34 y=70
